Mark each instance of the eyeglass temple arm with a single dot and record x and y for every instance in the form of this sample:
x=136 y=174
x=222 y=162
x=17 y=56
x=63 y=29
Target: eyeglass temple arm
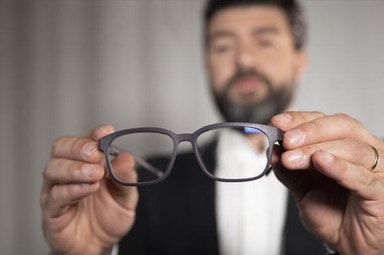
x=114 y=151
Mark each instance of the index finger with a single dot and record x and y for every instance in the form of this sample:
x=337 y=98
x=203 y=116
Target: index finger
x=76 y=148
x=292 y=119
x=81 y=148
x=327 y=128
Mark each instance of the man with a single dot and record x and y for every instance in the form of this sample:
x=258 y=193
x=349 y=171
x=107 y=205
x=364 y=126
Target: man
x=255 y=56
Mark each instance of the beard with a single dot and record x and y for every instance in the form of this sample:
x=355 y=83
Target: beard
x=277 y=99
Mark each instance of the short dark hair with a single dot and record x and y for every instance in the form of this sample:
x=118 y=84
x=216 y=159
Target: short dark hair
x=293 y=10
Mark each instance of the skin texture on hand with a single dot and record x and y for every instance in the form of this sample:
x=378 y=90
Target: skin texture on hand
x=83 y=210
x=326 y=165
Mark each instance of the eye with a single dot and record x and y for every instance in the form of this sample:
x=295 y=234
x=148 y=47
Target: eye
x=221 y=47
x=265 y=43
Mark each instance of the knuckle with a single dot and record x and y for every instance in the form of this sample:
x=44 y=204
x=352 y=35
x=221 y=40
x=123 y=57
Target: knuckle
x=312 y=127
x=47 y=173
x=56 y=144
x=342 y=116
x=359 y=151
x=54 y=195
x=67 y=146
x=70 y=191
x=346 y=119
x=74 y=169
x=356 y=147
x=61 y=194
x=317 y=114
x=373 y=182
x=367 y=180
x=77 y=146
x=50 y=170
x=307 y=115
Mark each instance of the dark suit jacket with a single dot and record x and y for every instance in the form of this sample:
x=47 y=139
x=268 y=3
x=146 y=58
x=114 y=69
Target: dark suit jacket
x=177 y=216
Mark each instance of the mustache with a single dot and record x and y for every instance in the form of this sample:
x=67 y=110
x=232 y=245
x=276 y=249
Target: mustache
x=246 y=73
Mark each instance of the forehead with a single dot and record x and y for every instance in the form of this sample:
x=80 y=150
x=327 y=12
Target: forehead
x=243 y=18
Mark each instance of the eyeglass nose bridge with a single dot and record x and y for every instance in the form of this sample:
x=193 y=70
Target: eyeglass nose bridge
x=191 y=139
x=185 y=137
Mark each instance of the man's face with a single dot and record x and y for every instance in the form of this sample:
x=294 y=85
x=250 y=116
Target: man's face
x=252 y=62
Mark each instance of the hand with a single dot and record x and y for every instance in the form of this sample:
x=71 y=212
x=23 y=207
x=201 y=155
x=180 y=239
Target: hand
x=84 y=212
x=327 y=166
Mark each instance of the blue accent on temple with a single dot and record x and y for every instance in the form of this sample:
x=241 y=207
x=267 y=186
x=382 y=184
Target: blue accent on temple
x=251 y=130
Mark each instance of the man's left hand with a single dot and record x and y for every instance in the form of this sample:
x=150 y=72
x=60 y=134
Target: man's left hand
x=329 y=164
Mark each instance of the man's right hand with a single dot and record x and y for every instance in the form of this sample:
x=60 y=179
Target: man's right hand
x=83 y=210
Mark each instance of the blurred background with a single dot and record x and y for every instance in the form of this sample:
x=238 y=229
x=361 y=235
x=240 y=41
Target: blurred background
x=67 y=66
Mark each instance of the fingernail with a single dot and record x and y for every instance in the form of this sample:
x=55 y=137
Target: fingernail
x=89 y=149
x=295 y=156
x=283 y=118
x=87 y=171
x=295 y=137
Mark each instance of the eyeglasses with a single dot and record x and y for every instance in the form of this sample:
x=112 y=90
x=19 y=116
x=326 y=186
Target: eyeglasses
x=154 y=151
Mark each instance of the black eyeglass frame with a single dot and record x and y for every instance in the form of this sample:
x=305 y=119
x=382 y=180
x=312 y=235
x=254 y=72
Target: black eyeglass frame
x=273 y=134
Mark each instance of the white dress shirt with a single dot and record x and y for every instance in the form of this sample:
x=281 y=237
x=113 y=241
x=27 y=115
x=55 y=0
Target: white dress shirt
x=250 y=215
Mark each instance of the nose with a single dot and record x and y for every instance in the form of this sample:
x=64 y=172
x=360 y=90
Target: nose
x=245 y=57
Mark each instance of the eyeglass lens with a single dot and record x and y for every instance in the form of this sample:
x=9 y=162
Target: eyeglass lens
x=153 y=153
